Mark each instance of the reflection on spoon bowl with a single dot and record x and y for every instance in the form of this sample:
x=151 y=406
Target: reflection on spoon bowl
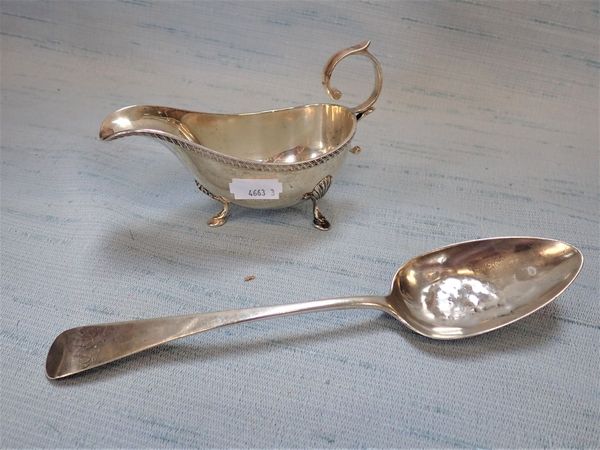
x=478 y=286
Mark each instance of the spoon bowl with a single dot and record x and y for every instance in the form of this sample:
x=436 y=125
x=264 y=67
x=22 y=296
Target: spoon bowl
x=478 y=286
x=455 y=292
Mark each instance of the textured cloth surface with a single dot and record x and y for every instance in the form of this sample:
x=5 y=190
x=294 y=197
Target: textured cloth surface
x=487 y=125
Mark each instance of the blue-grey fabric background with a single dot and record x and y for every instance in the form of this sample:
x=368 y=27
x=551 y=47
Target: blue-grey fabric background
x=487 y=125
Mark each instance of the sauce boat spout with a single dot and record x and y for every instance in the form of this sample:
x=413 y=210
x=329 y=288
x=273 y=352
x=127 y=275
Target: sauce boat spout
x=154 y=121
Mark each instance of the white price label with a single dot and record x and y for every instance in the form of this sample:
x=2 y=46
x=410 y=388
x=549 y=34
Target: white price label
x=255 y=189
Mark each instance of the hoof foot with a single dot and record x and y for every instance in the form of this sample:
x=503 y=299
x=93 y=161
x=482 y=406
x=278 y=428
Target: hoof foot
x=319 y=220
x=217 y=221
x=220 y=218
x=321 y=224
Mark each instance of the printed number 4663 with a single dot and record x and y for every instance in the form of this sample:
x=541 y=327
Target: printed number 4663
x=260 y=192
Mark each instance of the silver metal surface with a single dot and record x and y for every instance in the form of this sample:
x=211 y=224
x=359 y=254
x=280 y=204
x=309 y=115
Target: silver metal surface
x=455 y=292
x=360 y=49
x=319 y=220
x=221 y=217
x=296 y=146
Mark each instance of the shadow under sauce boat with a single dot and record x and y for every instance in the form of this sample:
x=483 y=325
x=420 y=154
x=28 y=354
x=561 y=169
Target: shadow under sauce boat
x=269 y=159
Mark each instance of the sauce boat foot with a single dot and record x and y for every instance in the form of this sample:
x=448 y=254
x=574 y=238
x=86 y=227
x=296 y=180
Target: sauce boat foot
x=220 y=218
x=319 y=220
x=263 y=160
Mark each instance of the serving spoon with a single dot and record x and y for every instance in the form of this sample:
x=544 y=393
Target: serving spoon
x=455 y=292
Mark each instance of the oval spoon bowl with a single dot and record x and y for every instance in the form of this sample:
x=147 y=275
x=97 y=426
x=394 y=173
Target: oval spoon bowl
x=474 y=287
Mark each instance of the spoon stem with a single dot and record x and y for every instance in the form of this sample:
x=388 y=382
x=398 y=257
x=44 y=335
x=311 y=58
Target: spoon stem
x=83 y=348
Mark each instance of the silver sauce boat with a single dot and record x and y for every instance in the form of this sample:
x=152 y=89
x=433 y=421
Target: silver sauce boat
x=265 y=160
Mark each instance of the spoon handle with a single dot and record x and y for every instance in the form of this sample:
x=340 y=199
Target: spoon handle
x=83 y=348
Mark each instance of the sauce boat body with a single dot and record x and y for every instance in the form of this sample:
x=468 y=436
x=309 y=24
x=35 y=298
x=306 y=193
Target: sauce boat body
x=298 y=146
